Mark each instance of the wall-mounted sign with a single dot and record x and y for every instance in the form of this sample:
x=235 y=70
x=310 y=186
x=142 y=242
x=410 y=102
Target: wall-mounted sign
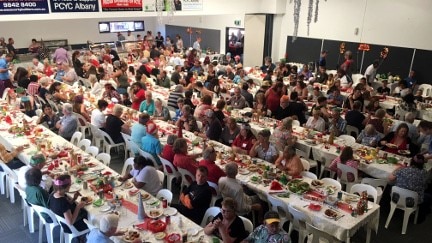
x=188 y=5
x=121 y=5
x=61 y=6
x=23 y=7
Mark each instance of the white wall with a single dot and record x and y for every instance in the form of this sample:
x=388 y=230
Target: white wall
x=385 y=22
x=254 y=40
x=77 y=31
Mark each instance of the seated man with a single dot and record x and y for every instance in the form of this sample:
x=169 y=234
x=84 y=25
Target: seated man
x=354 y=117
x=68 y=124
x=263 y=149
x=237 y=101
x=384 y=89
x=337 y=123
x=335 y=98
x=150 y=142
x=36 y=161
x=283 y=111
x=195 y=199
x=270 y=231
x=229 y=186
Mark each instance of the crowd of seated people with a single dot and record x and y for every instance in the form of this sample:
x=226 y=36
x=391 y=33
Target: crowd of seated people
x=345 y=104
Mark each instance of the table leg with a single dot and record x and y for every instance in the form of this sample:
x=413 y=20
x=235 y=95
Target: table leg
x=368 y=234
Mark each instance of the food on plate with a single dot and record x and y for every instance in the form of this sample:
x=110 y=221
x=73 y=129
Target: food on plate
x=404 y=152
x=160 y=235
x=330 y=213
x=156 y=226
x=98 y=202
x=171 y=238
x=351 y=198
x=127 y=184
x=255 y=179
x=391 y=145
x=317 y=183
x=145 y=196
x=392 y=160
x=275 y=185
x=330 y=189
x=86 y=200
x=155 y=213
x=253 y=168
x=131 y=235
x=314 y=207
x=284 y=195
x=298 y=186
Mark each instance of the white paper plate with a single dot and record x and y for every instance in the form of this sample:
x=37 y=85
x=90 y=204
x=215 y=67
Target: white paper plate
x=170 y=211
x=244 y=172
x=105 y=208
x=74 y=188
x=193 y=231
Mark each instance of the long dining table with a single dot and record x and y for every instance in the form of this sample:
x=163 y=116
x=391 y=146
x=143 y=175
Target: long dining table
x=39 y=139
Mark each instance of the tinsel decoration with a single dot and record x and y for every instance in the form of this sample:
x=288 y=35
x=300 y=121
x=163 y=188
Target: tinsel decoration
x=297 y=6
x=384 y=53
x=309 y=18
x=342 y=48
x=316 y=11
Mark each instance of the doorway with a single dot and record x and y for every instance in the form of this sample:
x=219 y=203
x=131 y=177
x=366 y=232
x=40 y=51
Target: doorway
x=234 y=41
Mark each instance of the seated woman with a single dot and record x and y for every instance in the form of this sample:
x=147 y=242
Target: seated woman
x=181 y=157
x=187 y=120
x=259 y=104
x=161 y=112
x=144 y=176
x=378 y=121
x=96 y=87
x=80 y=108
x=414 y=178
x=369 y=136
x=167 y=151
x=230 y=131
x=57 y=95
x=111 y=93
x=27 y=103
x=263 y=149
x=48 y=117
x=244 y=141
x=35 y=194
x=316 y=122
x=206 y=104
x=282 y=135
x=289 y=162
x=346 y=158
x=373 y=105
x=114 y=125
x=65 y=207
x=227 y=225
x=397 y=141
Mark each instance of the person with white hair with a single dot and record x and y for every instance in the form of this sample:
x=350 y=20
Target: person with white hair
x=412 y=129
x=107 y=227
x=147 y=105
x=68 y=124
x=114 y=125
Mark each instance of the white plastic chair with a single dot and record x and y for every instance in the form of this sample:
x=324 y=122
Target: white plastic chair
x=379 y=184
x=84 y=144
x=76 y=138
x=5 y=92
x=350 y=130
x=295 y=123
x=309 y=174
x=49 y=227
x=81 y=120
x=209 y=215
x=200 y=125
x=349 y=140
x=131 y=146
x=93 y=150
x=359 y=188
x=11 y=179
x=345 y=171
x=128 y=163
x=216 y=196
x=68 y=236
x=104 y=158
x=109 y=144
x=161 y=176
x=306 y=156
x=187 y=177
x=332 y=182
x=305 y=163
x=89 y=225
x=170 y=175
x=97 y=137
x=149 y=156
x=281 y=208
x=165 y=193
x=298 y=222
x=28 y=211
x=54 y=106
x=427 y=89
x=247 y=224
x=401 y=203
x=2 y=181
x=317 y=235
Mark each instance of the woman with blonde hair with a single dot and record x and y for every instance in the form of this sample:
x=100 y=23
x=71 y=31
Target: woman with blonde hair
x=282 y=135
x=289 y=162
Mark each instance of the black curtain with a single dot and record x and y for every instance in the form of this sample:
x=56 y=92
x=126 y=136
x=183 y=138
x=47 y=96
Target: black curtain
x=268 y=36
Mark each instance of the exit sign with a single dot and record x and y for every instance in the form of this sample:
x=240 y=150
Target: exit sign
x=237 y=22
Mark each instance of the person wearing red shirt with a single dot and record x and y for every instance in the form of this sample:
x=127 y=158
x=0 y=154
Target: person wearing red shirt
x=244 y=141
x=182 y=159
x=167 y=151
x=215 y=172
x=138 y=95
x=273 y=96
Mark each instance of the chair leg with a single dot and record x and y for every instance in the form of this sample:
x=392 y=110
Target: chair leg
x=25 y=212
x=416 y=215
x=392 y=209
x=30 y=215
x=41 y=225
x=407 y=213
